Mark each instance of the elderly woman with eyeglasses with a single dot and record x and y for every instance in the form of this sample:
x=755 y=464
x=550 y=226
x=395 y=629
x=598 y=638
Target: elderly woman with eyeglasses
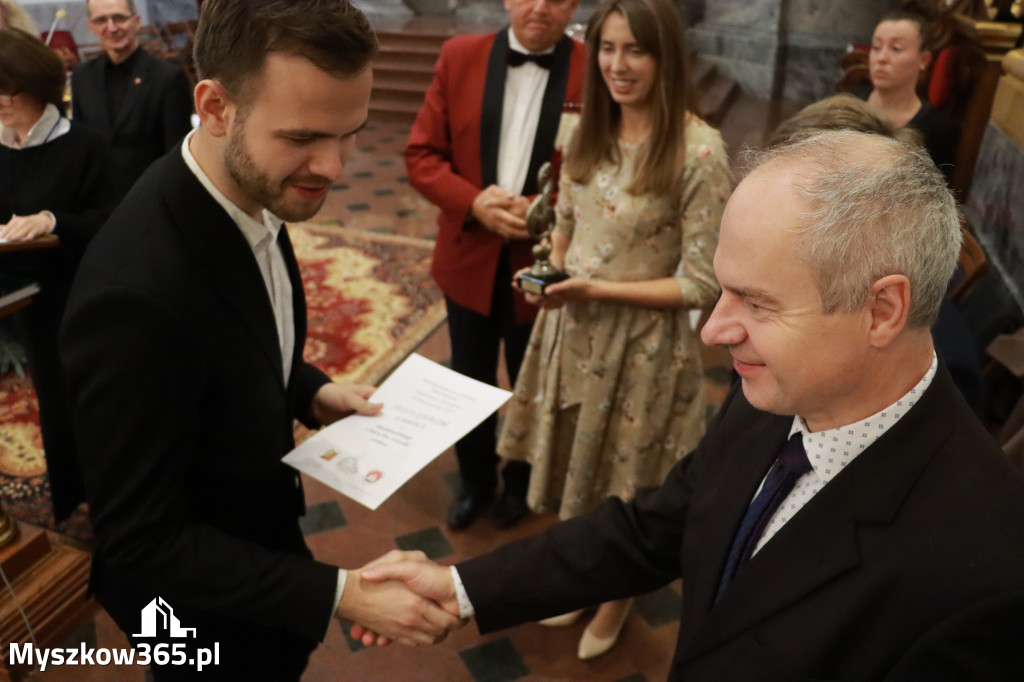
x=55 y=178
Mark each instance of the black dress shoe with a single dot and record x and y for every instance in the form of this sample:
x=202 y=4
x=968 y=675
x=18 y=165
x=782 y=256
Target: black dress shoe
x=509 y=510
x=465 y=509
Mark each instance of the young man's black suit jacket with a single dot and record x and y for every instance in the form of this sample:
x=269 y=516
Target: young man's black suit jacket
x=182 y=418
x=909 y=565
x=154 y=116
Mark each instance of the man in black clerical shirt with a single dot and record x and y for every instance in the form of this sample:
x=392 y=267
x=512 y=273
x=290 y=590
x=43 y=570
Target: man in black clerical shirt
x=141 y=104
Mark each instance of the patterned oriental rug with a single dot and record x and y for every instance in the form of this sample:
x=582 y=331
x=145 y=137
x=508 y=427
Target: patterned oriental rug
x=370 y=303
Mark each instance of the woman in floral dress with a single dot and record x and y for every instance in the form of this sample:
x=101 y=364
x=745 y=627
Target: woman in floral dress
x=610 y=394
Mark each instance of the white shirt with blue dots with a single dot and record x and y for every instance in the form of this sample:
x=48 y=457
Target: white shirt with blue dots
x=831 y=451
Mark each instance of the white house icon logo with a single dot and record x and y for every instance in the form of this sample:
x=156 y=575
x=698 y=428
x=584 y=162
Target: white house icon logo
x=159 y=613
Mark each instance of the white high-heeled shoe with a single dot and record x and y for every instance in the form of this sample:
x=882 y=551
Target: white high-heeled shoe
x=592 y=646
x=562 y=620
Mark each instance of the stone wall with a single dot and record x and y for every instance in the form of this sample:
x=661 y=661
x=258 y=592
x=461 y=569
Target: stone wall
x=788 y=48
x=995 y=205
x=485 y=13
x=163 y=11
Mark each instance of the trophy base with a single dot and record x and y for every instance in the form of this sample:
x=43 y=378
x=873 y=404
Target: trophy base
x=536 y=284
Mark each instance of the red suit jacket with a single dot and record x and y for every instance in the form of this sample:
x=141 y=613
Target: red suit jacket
x=453 y=154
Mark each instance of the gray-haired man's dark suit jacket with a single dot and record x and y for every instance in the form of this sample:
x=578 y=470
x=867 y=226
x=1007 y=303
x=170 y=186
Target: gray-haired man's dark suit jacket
x=909 y=565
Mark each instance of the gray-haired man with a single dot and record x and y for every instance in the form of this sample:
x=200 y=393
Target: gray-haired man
x=886 y=540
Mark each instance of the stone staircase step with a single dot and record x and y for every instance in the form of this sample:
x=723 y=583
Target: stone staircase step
x=392 y=107
x=392 y=96
x=391 y=116
x=701 y=71
x=414 y=41
x=406 y=60
x=713 y=101
x=404 y=68
x=397 y=79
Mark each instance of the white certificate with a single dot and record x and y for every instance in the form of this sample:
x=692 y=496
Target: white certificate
x=426 y=409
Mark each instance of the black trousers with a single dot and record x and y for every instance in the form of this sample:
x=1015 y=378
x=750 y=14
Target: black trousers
x=476 y=341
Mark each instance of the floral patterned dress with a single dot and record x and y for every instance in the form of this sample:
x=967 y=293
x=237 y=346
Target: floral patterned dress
x=611 y=395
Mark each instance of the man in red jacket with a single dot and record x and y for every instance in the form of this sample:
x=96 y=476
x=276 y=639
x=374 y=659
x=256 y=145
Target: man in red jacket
x=487 y=125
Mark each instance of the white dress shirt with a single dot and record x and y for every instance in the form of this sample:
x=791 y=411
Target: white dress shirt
x=520 y=114
x=831 y=451
x=262 y=239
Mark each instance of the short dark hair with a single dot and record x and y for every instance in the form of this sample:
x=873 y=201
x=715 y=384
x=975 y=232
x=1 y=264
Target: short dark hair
x=235 y=36
x=131 y=7
x=30 y=67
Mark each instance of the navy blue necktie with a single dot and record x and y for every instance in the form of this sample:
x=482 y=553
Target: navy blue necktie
x=789 y=466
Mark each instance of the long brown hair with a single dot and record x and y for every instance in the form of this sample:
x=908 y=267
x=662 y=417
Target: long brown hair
x=658 y=29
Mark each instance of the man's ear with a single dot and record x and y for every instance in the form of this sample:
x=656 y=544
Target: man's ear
x=889 y=307
x=214 y=108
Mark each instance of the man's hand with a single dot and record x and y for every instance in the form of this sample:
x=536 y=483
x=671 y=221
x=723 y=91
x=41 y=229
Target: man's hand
x=25 y=227
x=501 y=212
x=390 y=610
x=424 y=578
x=334 y=401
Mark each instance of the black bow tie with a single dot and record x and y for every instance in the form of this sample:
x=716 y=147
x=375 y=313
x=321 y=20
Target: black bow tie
x=544 y=61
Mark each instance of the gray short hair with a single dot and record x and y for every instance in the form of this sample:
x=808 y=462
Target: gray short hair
x=131 y=7
x=873 y=207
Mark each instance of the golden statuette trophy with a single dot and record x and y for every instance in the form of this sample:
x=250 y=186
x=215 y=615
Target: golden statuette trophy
x=540 y=221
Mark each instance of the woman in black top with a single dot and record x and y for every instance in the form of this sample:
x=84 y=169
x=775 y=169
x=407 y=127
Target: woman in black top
x=55 y=178
x=899 y=53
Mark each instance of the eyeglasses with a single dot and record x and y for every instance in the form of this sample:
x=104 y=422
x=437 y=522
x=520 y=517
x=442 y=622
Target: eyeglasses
x=118 y=19
x=8 y=99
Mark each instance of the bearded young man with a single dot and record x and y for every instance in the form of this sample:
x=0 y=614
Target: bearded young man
x=183 y=344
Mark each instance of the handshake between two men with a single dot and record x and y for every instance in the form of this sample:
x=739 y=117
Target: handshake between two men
x=402 y=597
